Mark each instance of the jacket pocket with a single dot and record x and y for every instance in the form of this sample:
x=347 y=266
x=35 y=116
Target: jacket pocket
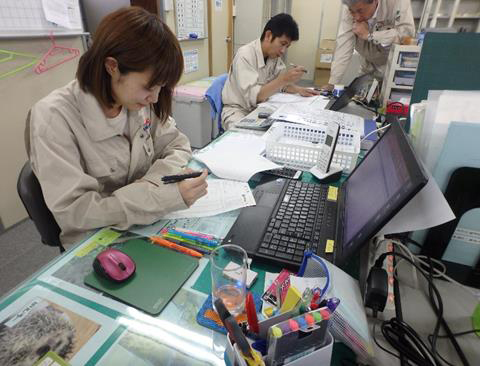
x=101 y=168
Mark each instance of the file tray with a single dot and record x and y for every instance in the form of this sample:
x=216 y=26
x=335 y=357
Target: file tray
x=160 y=273
x=299 y=146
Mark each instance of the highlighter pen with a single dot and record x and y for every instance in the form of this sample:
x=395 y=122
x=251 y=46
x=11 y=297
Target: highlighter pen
x=169 y=236
x=170 y=245
x=189 y=246
x=200 y=235
x=208 y=242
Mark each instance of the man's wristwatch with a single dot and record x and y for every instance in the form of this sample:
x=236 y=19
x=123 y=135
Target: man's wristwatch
x=370 y=37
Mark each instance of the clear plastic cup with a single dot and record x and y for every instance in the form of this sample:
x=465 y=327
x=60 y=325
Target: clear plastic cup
x=228 y=266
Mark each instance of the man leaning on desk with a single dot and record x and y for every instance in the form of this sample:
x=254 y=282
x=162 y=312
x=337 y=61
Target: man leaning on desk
x=370 y=27
x=257 y=71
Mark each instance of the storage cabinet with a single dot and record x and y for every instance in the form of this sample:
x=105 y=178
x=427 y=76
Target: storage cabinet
x=400 y=73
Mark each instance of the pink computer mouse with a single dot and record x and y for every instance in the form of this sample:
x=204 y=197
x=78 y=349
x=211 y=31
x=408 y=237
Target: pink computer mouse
x=114 y=265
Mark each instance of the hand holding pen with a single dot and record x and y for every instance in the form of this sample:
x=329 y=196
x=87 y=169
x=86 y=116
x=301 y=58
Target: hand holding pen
x=193 y=188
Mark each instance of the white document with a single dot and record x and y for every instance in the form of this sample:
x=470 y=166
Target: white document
x=223 y=195
x=61 y=12
x=427 y=209
x=289 y=98
x=236 y=156
x=234 y=166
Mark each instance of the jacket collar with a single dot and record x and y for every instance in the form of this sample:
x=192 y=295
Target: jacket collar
x=258 y=52
x=96 y=123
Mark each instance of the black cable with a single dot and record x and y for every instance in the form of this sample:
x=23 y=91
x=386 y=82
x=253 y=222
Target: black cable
x=380 y=346
x=436 y=302
x=459 y=333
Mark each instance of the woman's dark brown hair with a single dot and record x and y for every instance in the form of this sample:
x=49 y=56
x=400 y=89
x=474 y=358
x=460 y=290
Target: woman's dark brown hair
x=138 y=40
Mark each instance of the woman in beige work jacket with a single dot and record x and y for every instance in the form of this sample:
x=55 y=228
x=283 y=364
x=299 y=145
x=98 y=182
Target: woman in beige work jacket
x=100 y=145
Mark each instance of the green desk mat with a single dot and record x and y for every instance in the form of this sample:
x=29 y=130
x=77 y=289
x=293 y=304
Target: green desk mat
x=204 y=281
x=157 y=268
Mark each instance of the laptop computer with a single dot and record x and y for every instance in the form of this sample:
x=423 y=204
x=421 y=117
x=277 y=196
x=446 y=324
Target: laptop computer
x=293 y=216
x=350 y=91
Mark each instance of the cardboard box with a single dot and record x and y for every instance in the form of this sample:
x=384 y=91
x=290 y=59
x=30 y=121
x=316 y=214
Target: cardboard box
x=321 y=77
x=325 y=54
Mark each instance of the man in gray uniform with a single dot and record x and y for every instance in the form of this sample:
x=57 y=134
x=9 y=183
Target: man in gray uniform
x=370 y=27
x=258 y=72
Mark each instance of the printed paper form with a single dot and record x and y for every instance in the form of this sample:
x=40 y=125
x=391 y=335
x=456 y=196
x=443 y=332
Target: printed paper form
x=236 y=156
x=223 y=195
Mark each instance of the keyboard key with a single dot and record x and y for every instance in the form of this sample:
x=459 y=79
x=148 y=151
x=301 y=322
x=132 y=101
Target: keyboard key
x=266 y=251
x=284 y=256
x=298 y=258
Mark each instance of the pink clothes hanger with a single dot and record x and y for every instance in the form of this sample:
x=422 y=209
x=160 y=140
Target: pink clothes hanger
x=55 y=50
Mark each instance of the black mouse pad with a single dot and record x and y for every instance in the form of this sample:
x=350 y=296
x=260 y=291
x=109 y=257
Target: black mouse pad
x=160 y=273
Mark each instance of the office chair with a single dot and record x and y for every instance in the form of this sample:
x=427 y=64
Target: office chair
x=30 y=193
x=214 y=97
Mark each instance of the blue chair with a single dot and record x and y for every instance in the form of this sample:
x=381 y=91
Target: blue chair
x=214 y=97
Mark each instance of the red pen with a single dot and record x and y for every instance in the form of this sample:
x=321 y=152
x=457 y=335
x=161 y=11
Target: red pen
x=251 y=313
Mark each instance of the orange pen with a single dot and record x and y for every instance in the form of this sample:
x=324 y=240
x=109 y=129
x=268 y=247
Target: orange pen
x=168 y=244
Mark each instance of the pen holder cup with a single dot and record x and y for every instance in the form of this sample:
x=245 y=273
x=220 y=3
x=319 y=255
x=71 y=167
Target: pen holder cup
x=320 y=356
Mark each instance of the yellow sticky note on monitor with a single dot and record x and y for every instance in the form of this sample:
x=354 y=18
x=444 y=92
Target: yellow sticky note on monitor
x=332 y=193
x=329 y=246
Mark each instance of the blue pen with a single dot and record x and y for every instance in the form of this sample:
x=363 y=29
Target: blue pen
x=210 y=243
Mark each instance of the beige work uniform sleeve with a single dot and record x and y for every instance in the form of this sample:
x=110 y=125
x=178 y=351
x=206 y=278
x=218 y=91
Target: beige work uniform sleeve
x=245 y=76
x=344 y=47
x=76 y=198
x=403 y=25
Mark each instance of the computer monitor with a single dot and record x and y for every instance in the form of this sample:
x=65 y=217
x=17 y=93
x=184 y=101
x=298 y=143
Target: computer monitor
x=350 y=91
x=384 y=181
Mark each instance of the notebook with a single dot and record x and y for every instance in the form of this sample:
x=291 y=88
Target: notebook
x=160 y=273
x=291 y=216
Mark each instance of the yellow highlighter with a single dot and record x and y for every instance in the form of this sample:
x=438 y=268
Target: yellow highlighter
x=291 y=300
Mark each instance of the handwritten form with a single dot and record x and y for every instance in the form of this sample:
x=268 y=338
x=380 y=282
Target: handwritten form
x=223 y=195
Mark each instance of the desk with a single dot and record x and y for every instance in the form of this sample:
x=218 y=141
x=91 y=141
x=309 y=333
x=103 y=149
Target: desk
x=54 y=310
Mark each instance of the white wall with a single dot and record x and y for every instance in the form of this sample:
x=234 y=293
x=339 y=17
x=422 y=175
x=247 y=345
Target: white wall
x=19 y=92
x=317 y=19
x=201 y=45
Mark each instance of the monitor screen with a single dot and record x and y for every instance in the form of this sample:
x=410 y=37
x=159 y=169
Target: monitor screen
x=379 y=187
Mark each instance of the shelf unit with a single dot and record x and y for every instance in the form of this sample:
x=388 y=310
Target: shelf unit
x=400 y=73
x=455 y=14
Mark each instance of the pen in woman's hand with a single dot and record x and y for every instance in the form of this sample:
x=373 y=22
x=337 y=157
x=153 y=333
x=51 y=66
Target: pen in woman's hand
x=179 y=177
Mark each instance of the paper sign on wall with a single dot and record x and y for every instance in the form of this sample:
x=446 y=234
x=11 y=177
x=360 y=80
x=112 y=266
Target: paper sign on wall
x=190 y=59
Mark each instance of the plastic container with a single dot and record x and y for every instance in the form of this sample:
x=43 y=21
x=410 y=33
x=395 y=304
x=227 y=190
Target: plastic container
x=191 y=112
x=299 y=146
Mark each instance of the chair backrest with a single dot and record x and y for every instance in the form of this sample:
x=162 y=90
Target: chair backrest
x=214 y=97
x=30 y=192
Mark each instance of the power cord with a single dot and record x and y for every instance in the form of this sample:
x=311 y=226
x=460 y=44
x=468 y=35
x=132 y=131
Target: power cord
x=404 y=339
